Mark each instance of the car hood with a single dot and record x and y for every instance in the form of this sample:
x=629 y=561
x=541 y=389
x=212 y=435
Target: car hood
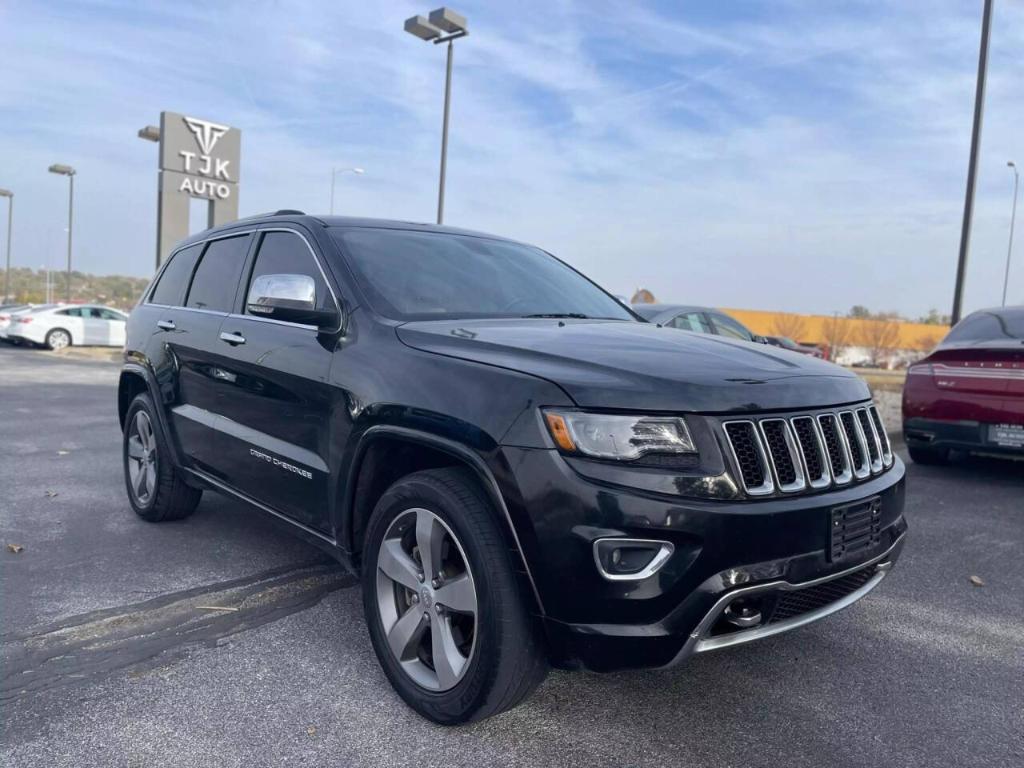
x=613 y=364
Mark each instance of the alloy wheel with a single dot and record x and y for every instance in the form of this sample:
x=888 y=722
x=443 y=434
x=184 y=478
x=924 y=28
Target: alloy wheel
x=59 y=340
x=142 y=457
x=426 y=599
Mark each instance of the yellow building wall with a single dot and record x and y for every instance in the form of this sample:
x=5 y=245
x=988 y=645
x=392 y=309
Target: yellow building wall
x=917 y=336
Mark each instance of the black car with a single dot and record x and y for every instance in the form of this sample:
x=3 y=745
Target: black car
x=523 y=471
x=696 y=319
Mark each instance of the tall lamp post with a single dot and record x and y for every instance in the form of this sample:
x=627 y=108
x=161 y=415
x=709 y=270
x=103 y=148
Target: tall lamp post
x=972 y=165
x=1013 y=218
x=334 y=175
x=67 y=170
x=10 y=225
x=442 y=26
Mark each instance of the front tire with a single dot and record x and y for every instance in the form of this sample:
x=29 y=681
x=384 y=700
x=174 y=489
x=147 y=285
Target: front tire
x=445 y=609
x=155 y=490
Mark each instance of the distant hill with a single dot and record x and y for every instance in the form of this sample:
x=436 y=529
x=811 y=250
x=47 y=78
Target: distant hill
x=29 y=286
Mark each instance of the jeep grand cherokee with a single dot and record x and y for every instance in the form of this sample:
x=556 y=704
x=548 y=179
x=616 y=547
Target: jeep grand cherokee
x=522 y=471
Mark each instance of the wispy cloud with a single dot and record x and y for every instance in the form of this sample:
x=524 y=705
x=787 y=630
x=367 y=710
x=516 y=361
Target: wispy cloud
x=808 y=158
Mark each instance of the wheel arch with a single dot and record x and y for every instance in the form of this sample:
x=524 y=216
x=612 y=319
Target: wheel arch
x=134 y=380
x=374 y=469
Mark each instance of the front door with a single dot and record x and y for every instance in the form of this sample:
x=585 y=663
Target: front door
x=277 y=401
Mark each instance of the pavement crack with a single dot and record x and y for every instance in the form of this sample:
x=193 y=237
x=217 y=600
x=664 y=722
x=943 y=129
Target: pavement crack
x=98 y=643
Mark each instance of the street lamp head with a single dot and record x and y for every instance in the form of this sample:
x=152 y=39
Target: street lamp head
x=150 y=133
x=448 y=20
x=360 y=171
x=419 y=26
x=1011 y=164
x=63 y=170
x=6 y=193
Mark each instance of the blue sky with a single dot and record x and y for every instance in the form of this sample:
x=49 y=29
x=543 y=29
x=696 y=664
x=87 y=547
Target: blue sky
x=803 y=156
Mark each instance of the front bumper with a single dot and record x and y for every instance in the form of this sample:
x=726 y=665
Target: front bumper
x=607 y=625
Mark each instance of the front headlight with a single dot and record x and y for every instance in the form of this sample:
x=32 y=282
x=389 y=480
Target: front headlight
x=610 y=436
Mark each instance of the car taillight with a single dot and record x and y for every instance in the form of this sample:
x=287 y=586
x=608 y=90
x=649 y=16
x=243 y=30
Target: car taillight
x=920 y=369
x=24 y=319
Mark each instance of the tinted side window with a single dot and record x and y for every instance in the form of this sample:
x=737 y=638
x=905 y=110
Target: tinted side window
x=726 y=326
x=216 y=277
x=285 y=253
x=691 y=321
x=171 y=288
x=75 y=312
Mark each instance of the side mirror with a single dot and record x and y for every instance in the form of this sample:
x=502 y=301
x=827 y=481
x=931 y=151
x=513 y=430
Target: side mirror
x=288 y=297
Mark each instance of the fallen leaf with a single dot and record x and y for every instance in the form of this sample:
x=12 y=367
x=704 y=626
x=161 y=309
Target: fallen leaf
x=51 y=494
x=311 y=730
x=15 y=548
x=215 y=608
x=977 y=581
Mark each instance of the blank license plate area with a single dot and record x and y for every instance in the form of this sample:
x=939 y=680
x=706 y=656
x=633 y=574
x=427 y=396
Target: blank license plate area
x=855 y=528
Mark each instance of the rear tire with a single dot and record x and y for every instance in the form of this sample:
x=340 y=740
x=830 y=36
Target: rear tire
x=155 y=490
x=498 y=654
x=928 y=456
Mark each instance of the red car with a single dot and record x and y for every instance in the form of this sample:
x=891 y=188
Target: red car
x=968 y=394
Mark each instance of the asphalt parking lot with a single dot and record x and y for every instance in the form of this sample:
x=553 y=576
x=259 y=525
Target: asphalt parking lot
x=114 y=653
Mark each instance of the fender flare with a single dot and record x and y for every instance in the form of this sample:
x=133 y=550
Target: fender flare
x=154 y=392
x=455 y=449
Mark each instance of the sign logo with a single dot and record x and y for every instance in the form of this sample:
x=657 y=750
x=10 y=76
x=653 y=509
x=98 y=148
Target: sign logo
x=206 y=133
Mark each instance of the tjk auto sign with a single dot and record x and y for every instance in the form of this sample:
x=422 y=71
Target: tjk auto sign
x=198 y=158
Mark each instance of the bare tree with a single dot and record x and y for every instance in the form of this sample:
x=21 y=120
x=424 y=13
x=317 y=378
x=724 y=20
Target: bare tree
x=791 y=326
x=880 y=337
x=643 y=296
x=837 y=332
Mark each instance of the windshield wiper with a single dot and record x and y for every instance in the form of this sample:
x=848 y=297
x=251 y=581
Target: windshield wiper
x=574 y=315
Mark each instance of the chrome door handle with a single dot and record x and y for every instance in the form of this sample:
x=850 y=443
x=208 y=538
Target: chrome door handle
x=232 y=338
x=166 y=325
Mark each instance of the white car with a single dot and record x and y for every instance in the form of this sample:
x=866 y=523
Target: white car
x=63 y=326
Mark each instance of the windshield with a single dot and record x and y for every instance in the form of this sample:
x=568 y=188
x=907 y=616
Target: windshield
x=410 y=275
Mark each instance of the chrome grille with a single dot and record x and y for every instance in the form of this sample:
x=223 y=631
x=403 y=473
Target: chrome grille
x=856 y=444
x=808 y=451
x=782 y=454
x=883 y=436
x=749 y=457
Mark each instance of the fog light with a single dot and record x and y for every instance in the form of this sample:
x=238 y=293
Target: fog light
x=760 y=572
x=630 y=559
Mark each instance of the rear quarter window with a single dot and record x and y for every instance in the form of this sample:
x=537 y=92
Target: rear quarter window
x=988 y=326
x=170 y=289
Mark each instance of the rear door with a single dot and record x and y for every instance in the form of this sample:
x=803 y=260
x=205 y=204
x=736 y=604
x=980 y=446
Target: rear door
x=277 y=403
x=188 y=340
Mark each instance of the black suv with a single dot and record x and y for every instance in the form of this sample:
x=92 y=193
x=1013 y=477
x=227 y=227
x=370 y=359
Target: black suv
x=522 y=470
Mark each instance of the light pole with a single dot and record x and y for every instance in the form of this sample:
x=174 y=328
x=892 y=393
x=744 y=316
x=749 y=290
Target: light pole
x=334 y=174
x=10 y=225
x=67 y=170
x=443 y=26
x=1013 y=218
x=972 y=165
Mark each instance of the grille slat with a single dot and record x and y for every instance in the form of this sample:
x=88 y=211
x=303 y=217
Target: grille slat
x=855 y=443
x=749 y=455
x=817 y=450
